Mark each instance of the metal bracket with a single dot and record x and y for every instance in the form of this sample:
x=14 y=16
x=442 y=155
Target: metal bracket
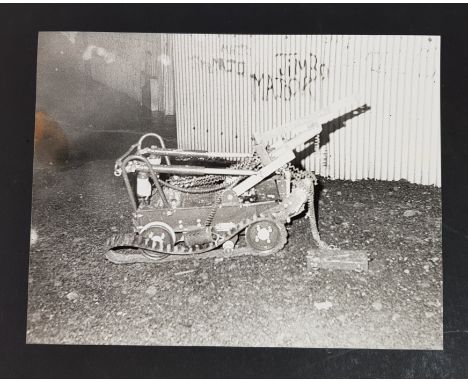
x=347 y=260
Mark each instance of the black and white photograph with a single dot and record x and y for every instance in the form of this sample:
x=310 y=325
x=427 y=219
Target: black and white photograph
x=239 y=190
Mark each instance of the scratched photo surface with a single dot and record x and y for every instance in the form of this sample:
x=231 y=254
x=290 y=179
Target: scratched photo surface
x=237 y=190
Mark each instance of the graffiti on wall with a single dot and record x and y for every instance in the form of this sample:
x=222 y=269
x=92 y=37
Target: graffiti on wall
x=294 y=74
x=238 y=50
x=228 y=65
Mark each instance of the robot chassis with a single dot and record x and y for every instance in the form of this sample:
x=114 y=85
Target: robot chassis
x=255 y=197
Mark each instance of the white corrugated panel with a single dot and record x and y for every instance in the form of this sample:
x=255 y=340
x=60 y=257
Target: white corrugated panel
x=228 y=86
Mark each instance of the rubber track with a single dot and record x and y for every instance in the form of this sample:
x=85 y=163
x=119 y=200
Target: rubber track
x=134 y=240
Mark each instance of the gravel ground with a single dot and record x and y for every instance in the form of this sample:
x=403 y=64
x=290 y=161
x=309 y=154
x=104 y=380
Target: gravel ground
x=77 y=297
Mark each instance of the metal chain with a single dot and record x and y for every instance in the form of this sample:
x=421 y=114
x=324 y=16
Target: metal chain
x=296 y=175
x=208 y=180
x=251 y=164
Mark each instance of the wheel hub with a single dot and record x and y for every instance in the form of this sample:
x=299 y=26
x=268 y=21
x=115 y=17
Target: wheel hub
x=160 y=233
x=263 y=234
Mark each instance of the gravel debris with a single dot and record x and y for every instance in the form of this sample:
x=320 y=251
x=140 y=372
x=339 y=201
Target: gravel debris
x=410 y=213
x=184 y=272
x=195 y=299
x=72 y=296
x=323 y=305
x=151 y=290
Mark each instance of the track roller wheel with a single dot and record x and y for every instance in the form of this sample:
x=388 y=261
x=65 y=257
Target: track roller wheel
x=159 y=235
x=266 y=236
x=228 y=245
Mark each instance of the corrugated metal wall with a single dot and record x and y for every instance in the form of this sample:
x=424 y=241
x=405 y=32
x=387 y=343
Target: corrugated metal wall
x=228 y=86
x=127 y=61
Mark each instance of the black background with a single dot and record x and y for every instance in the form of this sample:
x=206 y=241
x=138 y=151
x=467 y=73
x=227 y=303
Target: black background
x=19 y=25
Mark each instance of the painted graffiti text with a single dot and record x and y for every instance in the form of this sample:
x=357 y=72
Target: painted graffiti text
x=293 y=76
x=221 y=64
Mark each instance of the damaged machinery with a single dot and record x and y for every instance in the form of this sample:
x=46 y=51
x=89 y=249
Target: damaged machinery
x=194 y=210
